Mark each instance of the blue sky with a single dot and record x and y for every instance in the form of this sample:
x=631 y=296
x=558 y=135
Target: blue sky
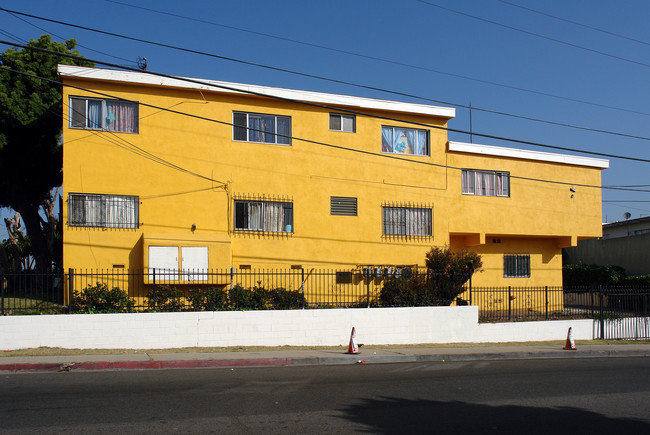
x=492 y=54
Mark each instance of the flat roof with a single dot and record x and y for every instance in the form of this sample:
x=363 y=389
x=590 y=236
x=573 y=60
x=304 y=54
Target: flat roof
x=144 y=78
x=516 y=153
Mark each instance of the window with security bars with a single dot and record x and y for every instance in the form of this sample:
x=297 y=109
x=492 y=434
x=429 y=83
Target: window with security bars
x=258 y=127
x=265 y=216
x=407 y=221
x=516 y=266
x=485 y=183
x=109 y=115
x=343 y=206
x=103 y=211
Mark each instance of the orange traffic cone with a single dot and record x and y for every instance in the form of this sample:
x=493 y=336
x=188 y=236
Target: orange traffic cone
x=353 y=347
x=570 y=343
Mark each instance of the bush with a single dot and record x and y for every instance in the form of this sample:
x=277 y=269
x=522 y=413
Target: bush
x=99 y=299
x=406 y=292
x=165 y=298
x=576 y=275
x=211 y=299
x=282 y=298
x=449 y=271
x=251 y=299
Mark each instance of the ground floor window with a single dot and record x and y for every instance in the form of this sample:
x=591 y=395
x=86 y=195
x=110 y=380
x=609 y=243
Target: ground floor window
x=516 y=266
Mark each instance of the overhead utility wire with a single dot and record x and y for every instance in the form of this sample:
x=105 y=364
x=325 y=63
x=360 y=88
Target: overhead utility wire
x=62 y=38
x=565 y=183
x=325 y=106
x=586 y=26
x=575 y=100
x=538 y=35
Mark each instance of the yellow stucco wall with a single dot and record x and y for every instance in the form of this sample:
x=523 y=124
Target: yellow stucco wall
x=537 y=219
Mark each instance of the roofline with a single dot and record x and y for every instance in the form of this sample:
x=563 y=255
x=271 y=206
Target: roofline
x=516 y=153
x=143 y=78
x=626 y=222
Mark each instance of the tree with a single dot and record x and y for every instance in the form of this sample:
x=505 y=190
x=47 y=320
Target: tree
x=30 y=140
x=451 y=270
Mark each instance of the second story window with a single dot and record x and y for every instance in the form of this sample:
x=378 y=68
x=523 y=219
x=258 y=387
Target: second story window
x=407 y=221
x=265 y=216
x=103 y=211
x=256 y=127
x=339 y=122
x=400 y=140
x=109 y=115
x=485 y=183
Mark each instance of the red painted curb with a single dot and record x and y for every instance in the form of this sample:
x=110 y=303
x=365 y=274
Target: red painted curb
x=141 y=365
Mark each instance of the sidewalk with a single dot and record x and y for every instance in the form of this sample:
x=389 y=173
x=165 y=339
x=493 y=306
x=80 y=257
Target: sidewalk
x=368 y=355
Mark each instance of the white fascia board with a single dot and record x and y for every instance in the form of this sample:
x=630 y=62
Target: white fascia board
x=516 y=153
x=143 y=78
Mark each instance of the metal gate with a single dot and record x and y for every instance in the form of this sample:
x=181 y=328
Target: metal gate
x=624 y=314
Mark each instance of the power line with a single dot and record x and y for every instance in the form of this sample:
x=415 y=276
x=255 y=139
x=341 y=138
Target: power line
x=575 y=100
x=586 y=26
x=393 y=157
x=538 y=35
x=63 y=39
x=291 y=100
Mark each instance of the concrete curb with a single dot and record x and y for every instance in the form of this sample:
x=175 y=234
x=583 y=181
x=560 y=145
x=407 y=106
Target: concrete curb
x=194 y=362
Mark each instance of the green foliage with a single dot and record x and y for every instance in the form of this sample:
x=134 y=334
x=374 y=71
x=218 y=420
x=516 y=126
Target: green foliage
x=211 y=299
x=99 y=299
x=578 y=275
x=30 y=134
x=282 y=298
x=450 y=271
x=406 y=292
x=165 y=298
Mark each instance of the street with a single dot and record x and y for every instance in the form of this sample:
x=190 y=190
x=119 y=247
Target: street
x=588 y=395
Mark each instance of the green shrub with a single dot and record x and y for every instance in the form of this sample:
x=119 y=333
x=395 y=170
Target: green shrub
x=211 y=299
x=576 y=275
x=406 y=292
x=165 y=298
x=99 y=299
x=282 y=298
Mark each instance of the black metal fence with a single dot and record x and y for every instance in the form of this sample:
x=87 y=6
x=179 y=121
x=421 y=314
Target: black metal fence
x=622 y=311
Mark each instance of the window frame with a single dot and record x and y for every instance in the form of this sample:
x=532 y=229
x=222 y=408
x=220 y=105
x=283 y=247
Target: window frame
x=75 y=122
x=473 y=174
x=516 y=265
x=427 y=135
x=286 y=217
x=237 y=129
x=107 y=206
x=388 y=229
x=342 y=116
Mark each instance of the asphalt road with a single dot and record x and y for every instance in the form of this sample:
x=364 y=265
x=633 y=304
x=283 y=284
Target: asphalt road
x=591 y=395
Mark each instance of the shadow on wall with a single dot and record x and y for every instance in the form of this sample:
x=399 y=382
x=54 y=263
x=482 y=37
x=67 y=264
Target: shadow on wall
x=394 y=415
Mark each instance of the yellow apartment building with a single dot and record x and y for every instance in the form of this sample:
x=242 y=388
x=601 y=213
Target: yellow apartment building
x=185 y=174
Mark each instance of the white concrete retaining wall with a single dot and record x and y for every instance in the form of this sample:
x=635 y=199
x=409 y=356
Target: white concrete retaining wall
x=327 y=327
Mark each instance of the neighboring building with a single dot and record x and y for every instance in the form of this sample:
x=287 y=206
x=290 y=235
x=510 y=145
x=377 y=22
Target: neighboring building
x=630 y=227
x=624 y=244
x=248 y=180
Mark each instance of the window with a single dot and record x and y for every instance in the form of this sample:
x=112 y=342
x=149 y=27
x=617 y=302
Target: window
x=485 y=183
x=407 y=221
x=104 y=211
x=267 y=216
x=516 y=266
x=401 y=140
x=254 y=127
x=340 y=122
x=343 y=206
x=108 y=115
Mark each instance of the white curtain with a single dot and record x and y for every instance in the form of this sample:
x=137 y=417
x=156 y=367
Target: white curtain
x=121 y=116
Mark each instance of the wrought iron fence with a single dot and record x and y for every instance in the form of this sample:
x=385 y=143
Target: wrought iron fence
x=227 y=289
